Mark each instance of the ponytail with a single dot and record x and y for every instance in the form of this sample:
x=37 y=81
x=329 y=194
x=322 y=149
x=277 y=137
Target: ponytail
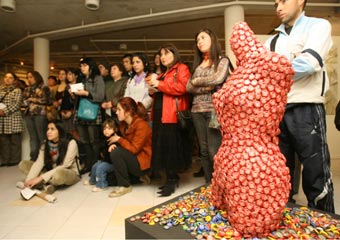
x=130 y=105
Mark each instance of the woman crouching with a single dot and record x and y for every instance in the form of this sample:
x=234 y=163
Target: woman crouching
x=133 y=155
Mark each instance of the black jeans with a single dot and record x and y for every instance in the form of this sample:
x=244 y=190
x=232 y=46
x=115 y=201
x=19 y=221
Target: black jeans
x=124 y=164
x=89 y=137
x=209 y=140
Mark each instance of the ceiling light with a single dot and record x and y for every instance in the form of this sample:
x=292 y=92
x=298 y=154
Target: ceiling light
x=92 y=4
x=8 y=5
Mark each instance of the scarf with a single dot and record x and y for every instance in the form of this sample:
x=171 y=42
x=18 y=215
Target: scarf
x=139 y=78
x=54 y=151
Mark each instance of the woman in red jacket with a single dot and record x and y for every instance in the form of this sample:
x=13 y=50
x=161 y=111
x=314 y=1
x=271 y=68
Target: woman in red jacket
x=132 y=153
x=169 y=143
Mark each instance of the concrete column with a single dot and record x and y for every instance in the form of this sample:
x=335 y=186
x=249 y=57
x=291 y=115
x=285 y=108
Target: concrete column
x=42 y=57
x=41 y=63
x=232 y=15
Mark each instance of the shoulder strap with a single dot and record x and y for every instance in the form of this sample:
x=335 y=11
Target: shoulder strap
x=3 y=97
x=231 y=67
x=273 y=42
x=176 y=99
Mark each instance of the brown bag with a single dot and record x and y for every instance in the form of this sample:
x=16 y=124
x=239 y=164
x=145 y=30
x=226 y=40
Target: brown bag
x=52 y=113
x=66 y=114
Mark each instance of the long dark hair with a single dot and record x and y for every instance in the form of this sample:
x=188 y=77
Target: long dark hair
x=75 y=71
x=37 y=77
x=169 y=47
x=130 y=105
x=215 y=50
x=144 y=59
x=93 y=68
x=62 y=147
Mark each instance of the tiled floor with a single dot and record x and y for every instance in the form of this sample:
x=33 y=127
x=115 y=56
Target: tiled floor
x=81 y=214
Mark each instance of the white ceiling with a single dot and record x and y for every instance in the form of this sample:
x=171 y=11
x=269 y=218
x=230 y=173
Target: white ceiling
x=142 y=25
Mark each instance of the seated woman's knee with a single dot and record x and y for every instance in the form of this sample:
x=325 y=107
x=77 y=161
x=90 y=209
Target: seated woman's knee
x=25 y=166
x=64 y=177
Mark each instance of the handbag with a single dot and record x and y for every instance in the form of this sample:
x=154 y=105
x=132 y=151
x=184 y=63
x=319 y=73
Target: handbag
x=52 y=113
x=184 y=118
x=66 y=114
x=213 y=123
x=87 y=110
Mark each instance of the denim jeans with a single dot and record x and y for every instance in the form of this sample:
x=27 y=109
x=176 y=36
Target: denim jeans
x=99 y=173
x=209 y=140
x=36 y=126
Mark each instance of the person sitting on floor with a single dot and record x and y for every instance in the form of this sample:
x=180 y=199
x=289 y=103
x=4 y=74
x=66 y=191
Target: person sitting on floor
x=100 y=170
x=56 y=164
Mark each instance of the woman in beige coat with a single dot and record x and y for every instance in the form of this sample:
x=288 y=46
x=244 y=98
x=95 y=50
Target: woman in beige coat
x=57 y=162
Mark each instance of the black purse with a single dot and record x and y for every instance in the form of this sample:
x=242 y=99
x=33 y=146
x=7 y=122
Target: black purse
x=184 y=119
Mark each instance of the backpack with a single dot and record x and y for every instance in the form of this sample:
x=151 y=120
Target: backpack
x=337 y=116
x=81 y=152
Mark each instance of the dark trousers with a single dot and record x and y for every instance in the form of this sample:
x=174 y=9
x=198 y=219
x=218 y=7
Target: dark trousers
x=36 y=126
x=303 y=131
x=124 y=164
x=209 y=140
x=10 y=148
x=89 y=137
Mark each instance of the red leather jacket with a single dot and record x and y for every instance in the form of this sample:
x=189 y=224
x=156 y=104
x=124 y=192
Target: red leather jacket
x=172 y=88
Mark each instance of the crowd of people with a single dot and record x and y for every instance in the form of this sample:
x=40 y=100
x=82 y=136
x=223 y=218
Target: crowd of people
x=134 y=136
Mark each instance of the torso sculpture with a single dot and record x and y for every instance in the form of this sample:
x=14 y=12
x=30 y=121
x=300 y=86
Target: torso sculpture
x=251 y=180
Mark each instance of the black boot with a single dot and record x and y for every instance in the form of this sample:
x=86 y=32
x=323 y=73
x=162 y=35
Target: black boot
x=200 y=173
x=168 y=188
x=174 y=178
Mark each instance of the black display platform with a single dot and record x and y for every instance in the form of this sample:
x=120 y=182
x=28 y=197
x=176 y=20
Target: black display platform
x=140 y=230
